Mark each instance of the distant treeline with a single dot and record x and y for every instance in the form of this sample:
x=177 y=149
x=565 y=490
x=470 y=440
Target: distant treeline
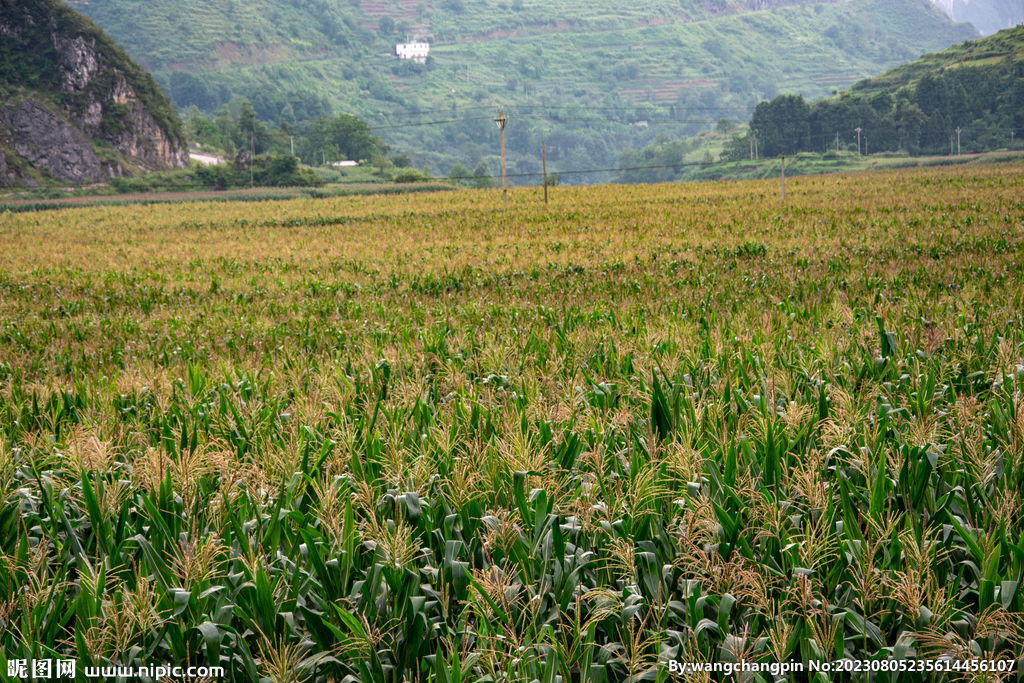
x=236 y=127
x=986 y=102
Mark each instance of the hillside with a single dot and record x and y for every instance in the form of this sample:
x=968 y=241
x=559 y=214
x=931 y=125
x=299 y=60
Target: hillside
x=989 y=16
x=971 y=94
x=74 y=108
x=688 y=61
x=970 y=61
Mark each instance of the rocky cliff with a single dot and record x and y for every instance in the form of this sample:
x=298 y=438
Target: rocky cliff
x=74 y=107
x=988 y=16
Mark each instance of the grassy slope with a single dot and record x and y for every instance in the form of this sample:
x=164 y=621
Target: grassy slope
x=1007 y=44
x=168 y=34
x=566 y=53
x=270 y=45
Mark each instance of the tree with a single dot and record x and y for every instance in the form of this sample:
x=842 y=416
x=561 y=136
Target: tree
x=481 y=176
x=247 y=119
x=201 y=129
x=458 y=173
x=386 y=26
x=188 y=89
x=225 y=124
x=288 y=113
x=782 y=125
x=908 y=119
x=931 y=94
x=353 y=138
x=737 y=149
x=343 y=137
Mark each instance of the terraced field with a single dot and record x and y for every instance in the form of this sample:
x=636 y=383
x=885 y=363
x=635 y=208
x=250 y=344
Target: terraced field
x=427 y=438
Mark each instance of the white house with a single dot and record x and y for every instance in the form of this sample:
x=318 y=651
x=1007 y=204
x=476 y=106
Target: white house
x=417 y=52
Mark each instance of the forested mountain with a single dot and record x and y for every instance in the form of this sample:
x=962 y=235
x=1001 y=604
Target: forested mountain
x=916 y=109
x=971 y=94
x=574 y=73
x=73 y=106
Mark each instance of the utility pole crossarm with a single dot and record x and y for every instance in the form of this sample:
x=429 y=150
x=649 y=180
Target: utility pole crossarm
x=501 y=120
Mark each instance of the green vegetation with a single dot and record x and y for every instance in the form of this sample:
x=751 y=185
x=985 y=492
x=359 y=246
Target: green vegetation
x=29 y=60
x=235 y=127
x=267 y=170
x=913 y=110
x=185 y=195
x=417 y=187
x=23 y=206
x=977 y=87
x=427 y=438
x=572 y=73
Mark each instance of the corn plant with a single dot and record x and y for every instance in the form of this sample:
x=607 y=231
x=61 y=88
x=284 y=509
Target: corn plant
x=429 y=439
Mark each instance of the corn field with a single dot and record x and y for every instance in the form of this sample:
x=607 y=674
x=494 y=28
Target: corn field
x=430 y=439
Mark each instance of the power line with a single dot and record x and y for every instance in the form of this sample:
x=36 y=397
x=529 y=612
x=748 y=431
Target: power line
x=552 y=107
x=740 y=164
x=315 y=134
x=424 y=111
x=423 y=123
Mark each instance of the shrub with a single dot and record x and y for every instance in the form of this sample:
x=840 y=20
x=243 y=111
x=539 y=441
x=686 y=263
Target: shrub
x=409 y=175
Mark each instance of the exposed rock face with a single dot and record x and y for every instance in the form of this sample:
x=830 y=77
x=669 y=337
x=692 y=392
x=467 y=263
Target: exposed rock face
x=78 y=62
x=989 y=16
x=143 y=141
x=74 y=87
x=138 y=137
x=50 y=143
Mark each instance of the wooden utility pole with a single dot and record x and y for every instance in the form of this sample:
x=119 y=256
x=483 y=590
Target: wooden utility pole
x=501 y=121
x=958 y=130
x=783 y=176
x=544 y=162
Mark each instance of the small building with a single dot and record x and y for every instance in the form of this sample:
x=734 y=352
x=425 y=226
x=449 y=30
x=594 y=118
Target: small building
x=345 y=164
x=417 y=52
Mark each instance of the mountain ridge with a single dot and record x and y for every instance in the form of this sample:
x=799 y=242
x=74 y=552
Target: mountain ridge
x=655 y=59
